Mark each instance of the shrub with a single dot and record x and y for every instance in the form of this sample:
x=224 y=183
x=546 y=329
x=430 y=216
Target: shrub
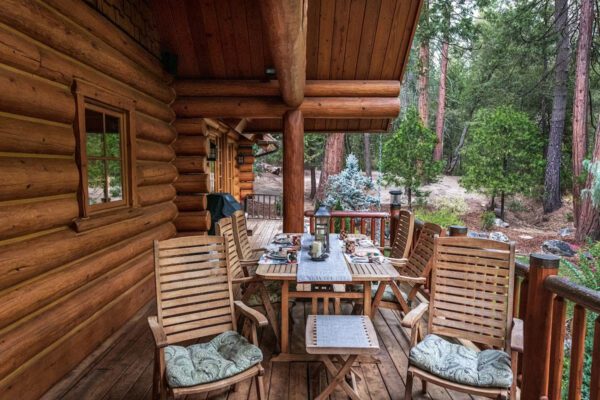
x=443 y=217
x=455 y=205
x=488 y=219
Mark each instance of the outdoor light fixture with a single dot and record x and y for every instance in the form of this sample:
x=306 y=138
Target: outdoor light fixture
x=322 y=220
x=212 y=152
x=240 y=159
x=270 y=72
x=395 y=194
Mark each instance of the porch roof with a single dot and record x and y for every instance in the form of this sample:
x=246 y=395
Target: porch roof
x=227 y=40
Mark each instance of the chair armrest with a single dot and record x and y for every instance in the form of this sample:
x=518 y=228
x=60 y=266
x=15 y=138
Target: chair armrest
x=261 y=249
x=415 y=315
x=412 y=279
x=516 y=336
x=397 y=262
x=244 y=279
x=160 y=337
x=249 y=263
x=251 y=313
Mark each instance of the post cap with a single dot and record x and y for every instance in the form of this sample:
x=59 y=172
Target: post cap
x=541 y=260
x=457 y=230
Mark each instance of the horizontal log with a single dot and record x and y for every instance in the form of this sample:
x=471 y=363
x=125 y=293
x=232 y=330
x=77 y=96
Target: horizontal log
x=24 y=54
x=191 y=202
x=192 y=183
x=191 y=146
x=23 y=136
x=152 y=151
x=25 y=95
x=30 y=382
x=244 y=193
x=25 y=299
x=245 y=150
x=148 y=195
x=25 y=218
x=246 y=176
x=24 y=178
x=191 y=126
x=25 y=340
x=314 y=88
x=87 y=17
x=155 y=173
x=246 y=167
x=106 y=218
x=190 y=164
x=273 y=107
x=246 y=185
x=44 y=25
x=154 y=129
x=193 y=221
x=29 y=258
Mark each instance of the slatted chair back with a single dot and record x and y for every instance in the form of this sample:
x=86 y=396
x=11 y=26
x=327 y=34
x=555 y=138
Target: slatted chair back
x=225 y=228
x=419 y=263
x=240 y=233
x=193 y=287
x=471 y=292
x=404 y=235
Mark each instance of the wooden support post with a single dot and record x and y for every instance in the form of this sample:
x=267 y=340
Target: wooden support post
x=293 y=172
x=538 y=322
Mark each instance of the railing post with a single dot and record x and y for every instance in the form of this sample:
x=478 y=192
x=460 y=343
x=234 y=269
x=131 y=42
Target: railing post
x=395 y=208
x=457 y=230
x=537 y=324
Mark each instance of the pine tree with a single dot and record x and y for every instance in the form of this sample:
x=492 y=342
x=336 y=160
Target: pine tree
x=350 y=188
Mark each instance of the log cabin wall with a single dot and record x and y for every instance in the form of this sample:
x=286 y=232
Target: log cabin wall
x=63 y=292
x=246 y=170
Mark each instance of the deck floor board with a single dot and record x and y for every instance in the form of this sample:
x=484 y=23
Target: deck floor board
x=124 y=369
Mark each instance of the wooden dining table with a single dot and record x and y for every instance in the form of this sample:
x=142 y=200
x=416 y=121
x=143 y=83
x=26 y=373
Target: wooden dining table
x=365 y=274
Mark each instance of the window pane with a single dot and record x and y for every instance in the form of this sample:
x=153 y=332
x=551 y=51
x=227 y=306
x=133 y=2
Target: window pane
x=96 y=181
x=115 y=183
x=113 y=136
x=94 y=128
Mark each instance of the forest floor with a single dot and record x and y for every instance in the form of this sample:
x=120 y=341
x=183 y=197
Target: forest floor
x=528 y=226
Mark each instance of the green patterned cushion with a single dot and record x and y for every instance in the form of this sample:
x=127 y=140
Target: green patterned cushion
x=388 y=294
x=456 y=363
x=274 y=290
x=226 y=355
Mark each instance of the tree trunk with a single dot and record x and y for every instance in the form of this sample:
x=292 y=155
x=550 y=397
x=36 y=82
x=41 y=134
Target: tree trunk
x=441 y=113
x=409 y=196
x=589 y=221
x=333 y=160
x=313 y=182
x=367 y=143
x=456 y=155
x=423 y=84
x=580 y=100
x=552 y=195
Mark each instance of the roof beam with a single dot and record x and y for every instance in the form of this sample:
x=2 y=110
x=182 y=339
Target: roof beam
x=285 y=24
x=314 y=88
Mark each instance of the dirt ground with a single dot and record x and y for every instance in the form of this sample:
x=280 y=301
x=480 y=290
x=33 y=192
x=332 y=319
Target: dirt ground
x=529 y=227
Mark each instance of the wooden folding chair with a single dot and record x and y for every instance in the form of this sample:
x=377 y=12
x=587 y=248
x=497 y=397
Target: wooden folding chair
x=248 y=287
x=404 y=236
x=195 y=301
x=246 y=253
x=471 y=299
x=414 y=272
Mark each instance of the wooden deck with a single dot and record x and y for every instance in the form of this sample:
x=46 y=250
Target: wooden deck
x=122 y=367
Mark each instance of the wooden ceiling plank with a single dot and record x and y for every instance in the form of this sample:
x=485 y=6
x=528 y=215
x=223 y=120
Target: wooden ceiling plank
x=213 y=38
x=312 y=38
x=243 y=45
x=384 y=24
x=353 y=38
x=409 y=34
x=228 y=39
x=367 y=39
x=286 y=30
x=195 y=19
x=185 y=51
x=338 y=47
x=255 y=32
x=326 y=16
x=396 y=39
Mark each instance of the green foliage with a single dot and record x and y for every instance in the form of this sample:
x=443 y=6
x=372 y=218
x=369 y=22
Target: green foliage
x=503 y=153
x=350 y=188
x=407 y=155
x=314 y=147
x=593 y=192
x=487 y=220
x=443 y=217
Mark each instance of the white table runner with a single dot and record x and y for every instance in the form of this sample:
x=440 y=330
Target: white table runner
x=333 y=269
x=341 y=331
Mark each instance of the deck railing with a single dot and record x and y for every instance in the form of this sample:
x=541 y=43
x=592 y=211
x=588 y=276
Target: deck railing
x=372 y=223
x=263 y=206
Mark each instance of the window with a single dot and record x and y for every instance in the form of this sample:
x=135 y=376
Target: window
x=104 y=150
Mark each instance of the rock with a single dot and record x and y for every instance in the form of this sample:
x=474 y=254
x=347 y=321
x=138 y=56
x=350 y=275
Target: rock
x=525 y=237
x=564 y=232
x=499 y=237
x=558 y=247
x=478 y=235
x=500 y=223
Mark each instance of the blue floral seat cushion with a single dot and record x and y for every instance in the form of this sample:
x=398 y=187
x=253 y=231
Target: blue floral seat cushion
x=459 y=364
x=226 y=355
x=388 y=293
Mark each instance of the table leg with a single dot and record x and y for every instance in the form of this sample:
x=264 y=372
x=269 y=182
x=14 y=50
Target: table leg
x=367 y=299
x=271 y=316
x=285 y=298
x=339 y=378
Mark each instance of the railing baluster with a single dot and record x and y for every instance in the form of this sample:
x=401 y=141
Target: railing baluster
x=595 y=375
x=373 y=226
x=382 y=232
x=557 y=346
x=577 y=352
x=352 y=225
x=363 y=226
